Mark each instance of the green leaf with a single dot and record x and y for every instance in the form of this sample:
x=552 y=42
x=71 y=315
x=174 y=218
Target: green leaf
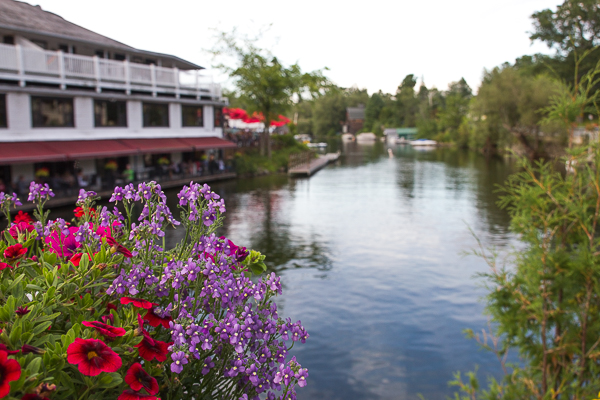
x=34 y=365
x=41 y=327
x=110 y=380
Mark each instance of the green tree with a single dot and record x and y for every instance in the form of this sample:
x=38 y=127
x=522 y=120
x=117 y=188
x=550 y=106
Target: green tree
x=454 y=111
x=407 y=102
x=547 y=306
x=263 y=84
x=514 y=100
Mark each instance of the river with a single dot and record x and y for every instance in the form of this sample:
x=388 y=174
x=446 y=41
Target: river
x=371 y=255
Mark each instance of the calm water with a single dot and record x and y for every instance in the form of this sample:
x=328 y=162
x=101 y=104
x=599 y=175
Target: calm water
x=371 y=257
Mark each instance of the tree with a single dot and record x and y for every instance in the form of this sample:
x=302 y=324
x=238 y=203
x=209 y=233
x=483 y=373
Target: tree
x=263 y=84
x=407 y=102
x=455 y=109
x=514 y=100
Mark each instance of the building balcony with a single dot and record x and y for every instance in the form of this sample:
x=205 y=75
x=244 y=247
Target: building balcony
x=28 y=65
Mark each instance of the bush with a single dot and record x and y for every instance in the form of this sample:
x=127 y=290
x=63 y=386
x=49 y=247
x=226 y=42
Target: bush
x=99 y=309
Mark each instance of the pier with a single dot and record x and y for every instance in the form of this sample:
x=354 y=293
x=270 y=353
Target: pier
x=305 y=164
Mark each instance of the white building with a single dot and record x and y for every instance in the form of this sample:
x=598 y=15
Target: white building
x=72 y=100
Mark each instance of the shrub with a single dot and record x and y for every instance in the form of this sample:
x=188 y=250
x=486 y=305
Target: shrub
x=100 y=309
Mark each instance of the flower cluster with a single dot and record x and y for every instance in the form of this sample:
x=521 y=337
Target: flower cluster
x=136 y=320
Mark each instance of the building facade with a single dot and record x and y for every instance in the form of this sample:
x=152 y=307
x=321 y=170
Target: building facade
x=78 y=105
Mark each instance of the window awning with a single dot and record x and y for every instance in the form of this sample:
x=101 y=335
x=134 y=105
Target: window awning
x=25 y=152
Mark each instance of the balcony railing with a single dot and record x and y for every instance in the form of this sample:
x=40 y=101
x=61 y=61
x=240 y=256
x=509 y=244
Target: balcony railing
x=33 y=65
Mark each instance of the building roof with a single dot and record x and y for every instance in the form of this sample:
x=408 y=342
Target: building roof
x=356 y=112
x=23 y=17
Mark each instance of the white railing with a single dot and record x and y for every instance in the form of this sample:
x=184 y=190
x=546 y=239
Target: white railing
x=26 y=64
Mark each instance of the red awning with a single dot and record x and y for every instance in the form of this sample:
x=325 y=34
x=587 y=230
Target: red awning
x=23 y=152
x=209 y=143
x=77 y=149
x=19 y=152
x=157 y=145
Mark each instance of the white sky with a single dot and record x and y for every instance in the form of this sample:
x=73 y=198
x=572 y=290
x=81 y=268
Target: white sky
x=369 y=44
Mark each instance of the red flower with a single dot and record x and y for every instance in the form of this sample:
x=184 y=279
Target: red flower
x=109 y=317
x=14 y=252
x=4 y=265
x=10 y=352
x=23 y=217
x=93 y=356
x=76 y=259
x=80 y=212
x=10 y=370
x=110 y=306
x=117 y=247
x=137 y=378
x=150 y=349
x=22 y=228
x=140 y=303
x=154 y=320
x=33 y=396
x=133 y=395
x=109 y=332
x=22 y=310
x=32 y=349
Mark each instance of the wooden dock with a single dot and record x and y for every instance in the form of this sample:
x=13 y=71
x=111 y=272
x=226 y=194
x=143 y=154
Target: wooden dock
x=304 y=165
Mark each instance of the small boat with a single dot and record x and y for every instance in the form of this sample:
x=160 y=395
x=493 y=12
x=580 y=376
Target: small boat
x=423 y=142
x=367 y=137
x=317 y=145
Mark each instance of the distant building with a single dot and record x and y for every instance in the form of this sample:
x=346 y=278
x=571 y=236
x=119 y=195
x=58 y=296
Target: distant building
x=73 y=101
x=355 y=119
x=401 y=133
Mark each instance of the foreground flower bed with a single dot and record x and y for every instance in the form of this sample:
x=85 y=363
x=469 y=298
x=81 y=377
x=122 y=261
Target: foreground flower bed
x=99 y=309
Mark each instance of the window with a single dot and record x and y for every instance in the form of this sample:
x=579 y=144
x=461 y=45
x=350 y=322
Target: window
x=218 y=117
x=156 y=114
x=110 y=113
x=51 y=112
x=192 y=116
x=100 y=53
x=64 y=48
x=9 y=39
x=119 y=57
x=3 y=119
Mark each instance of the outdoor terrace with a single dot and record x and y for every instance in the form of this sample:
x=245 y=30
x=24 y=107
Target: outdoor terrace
x=26 y=65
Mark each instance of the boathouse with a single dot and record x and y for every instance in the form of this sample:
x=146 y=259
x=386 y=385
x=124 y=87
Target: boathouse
x=79 y=109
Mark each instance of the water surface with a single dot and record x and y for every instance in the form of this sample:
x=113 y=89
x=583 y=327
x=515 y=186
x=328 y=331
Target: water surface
x=370 y=251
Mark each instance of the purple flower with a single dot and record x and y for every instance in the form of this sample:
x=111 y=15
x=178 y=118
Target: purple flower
x=207 y=365
x=39 y=192
x=301 y=375
x=179 y=360
x=208 y=218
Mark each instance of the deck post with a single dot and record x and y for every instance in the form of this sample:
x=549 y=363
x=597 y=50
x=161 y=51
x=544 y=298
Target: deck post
x=61 y=69
x=97 y=73
x=127 y=77
x=176 y=74
x=153 y=77
x=20 y=65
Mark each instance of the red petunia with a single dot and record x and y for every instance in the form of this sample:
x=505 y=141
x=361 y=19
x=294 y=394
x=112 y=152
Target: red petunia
x=133 y=395
x=110 y=306
x=10 y=370
x=76 y=259
x=20 y=228
x=140 y=303
x=80 y=212
x=93 y=356
x=23 y=217
x=33 y=396
x=155 y=320
x=4 y=265
x=14 y=252
x=109 y=332
x=118 y=247
x=10 y=352
x=137 y=378
x=150 y=349
x=22 y=310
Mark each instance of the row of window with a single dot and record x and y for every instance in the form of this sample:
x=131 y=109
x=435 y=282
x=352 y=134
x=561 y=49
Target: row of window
x=58 y=112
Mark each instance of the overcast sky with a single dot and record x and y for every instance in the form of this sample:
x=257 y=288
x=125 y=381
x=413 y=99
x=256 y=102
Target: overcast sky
x=369 y=44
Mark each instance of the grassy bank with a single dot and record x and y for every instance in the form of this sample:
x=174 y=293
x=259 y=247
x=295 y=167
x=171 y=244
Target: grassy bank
x=249 y=162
